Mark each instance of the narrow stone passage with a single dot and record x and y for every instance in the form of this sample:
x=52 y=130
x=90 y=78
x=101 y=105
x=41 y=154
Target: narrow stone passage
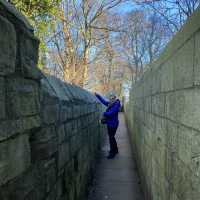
x=117 y=179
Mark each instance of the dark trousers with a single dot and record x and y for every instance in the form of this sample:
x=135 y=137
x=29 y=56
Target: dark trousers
x=112 y=140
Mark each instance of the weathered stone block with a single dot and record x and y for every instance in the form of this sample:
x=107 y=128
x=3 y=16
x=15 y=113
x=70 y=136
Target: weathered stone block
x=41 y=127
x=158 y=104
x=43 y=150
x=184 y=144
x=44 y=135
x=160 y=131
x=2 y=98
x=69 y=129
x=47 y=93
x=50 y=177
x=69 y=175
x=168 y=156
x=23 y=97
x=29 y=45
x=189 y=108
x=73 y=126
x=9 y=128
x=172 y=105
x=32 y=72
x=29 y=185
x=61 y=134
x=181 y=182
x=15 y=158
x=76 y=111
x=167 y=75
x=29 y=123
x=59 y=88
x=50 y=114
x=72 y=193
x=184 y=66
x=8 y=47
x=64 y=113
x=74 y=144
x=172 y=136
x=173 y=196
x=63 y=154
x=195 y=185
x=156 y=82
x=60 y=188
x=197 y=59
x=52 y=194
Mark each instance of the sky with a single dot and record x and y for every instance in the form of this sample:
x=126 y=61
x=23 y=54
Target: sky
x=125 y=7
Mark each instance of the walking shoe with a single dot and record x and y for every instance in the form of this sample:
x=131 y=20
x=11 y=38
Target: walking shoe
x=111 y=156
x=115 y=152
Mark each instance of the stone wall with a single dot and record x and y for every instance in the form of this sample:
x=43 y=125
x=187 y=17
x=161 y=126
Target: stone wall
x=163 y=115
x=49 y=130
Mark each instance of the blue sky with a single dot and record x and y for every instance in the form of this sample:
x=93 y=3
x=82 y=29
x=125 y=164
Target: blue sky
x=124 y=7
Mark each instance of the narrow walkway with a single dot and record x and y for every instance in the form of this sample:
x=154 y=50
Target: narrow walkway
x=117 y=179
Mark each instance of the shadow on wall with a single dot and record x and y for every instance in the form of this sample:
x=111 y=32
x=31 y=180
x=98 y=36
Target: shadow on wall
x=49 y=130
x=164 y=120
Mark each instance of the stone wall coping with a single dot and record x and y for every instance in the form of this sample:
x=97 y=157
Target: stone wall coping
x=66 y=91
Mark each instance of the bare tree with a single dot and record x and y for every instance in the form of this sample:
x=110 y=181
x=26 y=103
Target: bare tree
x=156 y=36
x=75 y=36
x=174 y=12
x=108 y=69
x=142 y=40
x=132 y=45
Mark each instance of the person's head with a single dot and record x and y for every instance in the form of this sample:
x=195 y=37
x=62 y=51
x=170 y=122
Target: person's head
x=112 y=97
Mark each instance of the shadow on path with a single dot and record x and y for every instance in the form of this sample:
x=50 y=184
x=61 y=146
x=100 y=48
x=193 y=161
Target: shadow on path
x=117 y=179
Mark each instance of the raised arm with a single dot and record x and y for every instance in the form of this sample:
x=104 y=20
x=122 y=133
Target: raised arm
x=101 y=99
x=115 y=109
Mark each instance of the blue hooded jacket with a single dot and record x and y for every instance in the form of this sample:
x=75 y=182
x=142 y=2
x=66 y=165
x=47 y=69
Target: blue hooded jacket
x=111 y=112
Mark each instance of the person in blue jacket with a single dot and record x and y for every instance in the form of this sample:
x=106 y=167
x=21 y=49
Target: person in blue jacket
x=111 y=120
